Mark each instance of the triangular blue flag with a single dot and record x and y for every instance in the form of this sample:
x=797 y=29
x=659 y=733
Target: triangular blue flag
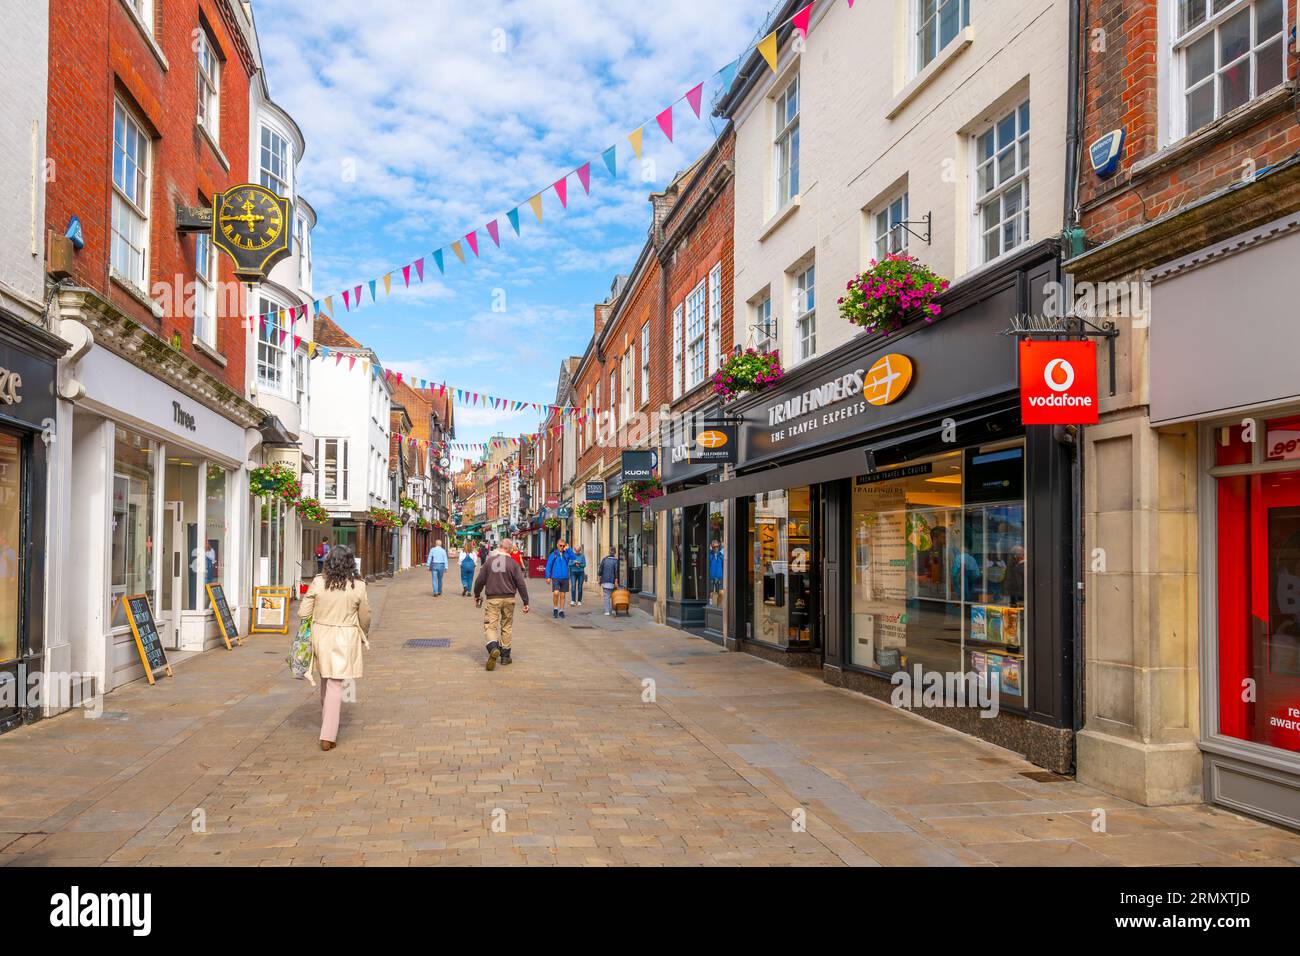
x=372 y=290
x=513 y=216
x=728 y=73
x=437 y=257
x=611 y=161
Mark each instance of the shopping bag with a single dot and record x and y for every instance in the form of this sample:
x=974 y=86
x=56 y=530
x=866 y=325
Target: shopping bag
x=300 y=655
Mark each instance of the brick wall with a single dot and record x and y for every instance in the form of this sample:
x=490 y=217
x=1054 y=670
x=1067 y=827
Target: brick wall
x=97 y=51
x=1121 y=69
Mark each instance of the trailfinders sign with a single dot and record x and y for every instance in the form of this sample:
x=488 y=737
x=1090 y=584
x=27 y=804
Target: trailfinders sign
x=1058 y=383
x=842 y=397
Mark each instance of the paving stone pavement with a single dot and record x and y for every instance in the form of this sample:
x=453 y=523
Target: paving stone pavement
x=559 y=759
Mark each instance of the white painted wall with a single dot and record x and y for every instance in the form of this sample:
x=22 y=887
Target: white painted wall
x=853 y=155
x=353 y=404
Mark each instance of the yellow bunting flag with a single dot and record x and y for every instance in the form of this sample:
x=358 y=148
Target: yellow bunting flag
x=635 y=139
x=768 y=49
x=388 y=283
x=460 y=253
x=536 y=203
x=329 y=306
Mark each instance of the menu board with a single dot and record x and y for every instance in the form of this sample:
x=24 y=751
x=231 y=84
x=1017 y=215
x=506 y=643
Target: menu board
x=225 y=620
x=270 y=610
x=145 y=631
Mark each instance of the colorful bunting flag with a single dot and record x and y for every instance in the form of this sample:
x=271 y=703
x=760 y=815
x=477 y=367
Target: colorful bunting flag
x=536 y=203
x=419 y=268
x=437 y=259
x=666 y=122
x=460 y=253
x=694 y=97
x=493 y=231
x=472 y=238
x=800 y=20
x=406 y=275
x=768 y=49
x=513 y=216
x=611 y=161
x=584 y=177
x=635 y=138
x=562 y=190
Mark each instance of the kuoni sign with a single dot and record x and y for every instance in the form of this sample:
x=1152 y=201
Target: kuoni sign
x=1058 y=383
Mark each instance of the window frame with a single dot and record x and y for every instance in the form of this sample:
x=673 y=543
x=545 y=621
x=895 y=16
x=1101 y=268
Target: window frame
x=205 y=295
x=208 y=81
x=678 y=313
x=893 y=238
x=645 y=363
x=132 y=126
x=280 y=185
x=805 y=322
x=918 y=60
x=715 y=318
x=340 y=467
x=786 y=143
x=766 y=332
x=1018 y=181
x=1180 y=44
x=696 y=331
x=268 y=339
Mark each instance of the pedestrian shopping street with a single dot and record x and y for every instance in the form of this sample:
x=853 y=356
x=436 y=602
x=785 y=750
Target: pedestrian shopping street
x=554 y=760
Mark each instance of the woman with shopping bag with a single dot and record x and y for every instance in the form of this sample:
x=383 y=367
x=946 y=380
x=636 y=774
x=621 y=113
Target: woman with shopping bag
x=339 y=609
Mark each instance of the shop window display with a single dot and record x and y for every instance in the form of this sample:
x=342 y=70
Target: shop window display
x=782 y=565
x=11 y=526
x=938 y=548
x=717 y=556
x=134 y=491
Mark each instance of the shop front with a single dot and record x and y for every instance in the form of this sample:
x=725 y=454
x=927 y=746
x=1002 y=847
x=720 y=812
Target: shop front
x=629 y=539
x=896 y=526
x=28 y=356
x=156 y=481
x=1235 y=383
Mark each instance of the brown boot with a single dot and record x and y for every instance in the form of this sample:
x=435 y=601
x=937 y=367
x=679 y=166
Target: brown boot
x=327 y=745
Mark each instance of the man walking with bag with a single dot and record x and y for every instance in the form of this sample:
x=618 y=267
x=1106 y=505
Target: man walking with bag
x=609 y=580
x=499 y=579
x=557 y=572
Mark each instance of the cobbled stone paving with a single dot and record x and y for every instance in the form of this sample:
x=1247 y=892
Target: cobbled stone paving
x=567 y=757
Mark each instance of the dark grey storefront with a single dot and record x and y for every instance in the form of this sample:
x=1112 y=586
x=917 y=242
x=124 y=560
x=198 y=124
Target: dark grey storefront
x=28 y=357
x=929 y=531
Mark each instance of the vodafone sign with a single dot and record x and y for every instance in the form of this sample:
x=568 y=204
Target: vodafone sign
x=1058 y=383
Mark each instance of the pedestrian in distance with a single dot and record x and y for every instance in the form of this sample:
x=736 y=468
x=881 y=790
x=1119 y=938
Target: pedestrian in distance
x=322 y=552
x=717 y=569
x=482 y=552
x=339 y=608
x=577 y=574
x=609 y=580
x=438 y=566
x=468 y=565
x=499 y=579
x=557 y=572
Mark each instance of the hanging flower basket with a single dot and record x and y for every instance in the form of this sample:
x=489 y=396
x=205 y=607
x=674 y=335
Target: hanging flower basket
x=422 y=523
x=408 y=504
x=590 y=510
x=642 y=492
x=274 y=481
x=715 y=520
x=748 y=371
x=881 y=298
x=551 y=524
x=383 y=518
x=310 y=510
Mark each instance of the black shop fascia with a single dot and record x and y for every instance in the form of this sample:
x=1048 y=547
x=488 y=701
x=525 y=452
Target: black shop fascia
x=893 y=523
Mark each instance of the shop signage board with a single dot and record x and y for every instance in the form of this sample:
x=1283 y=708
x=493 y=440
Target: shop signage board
x=1058 y=383
x=145 y=631
x=225 y=620
x=270 y=610
x=638 y=465
x=711 y=444
x=907 y=377
x=594 y=491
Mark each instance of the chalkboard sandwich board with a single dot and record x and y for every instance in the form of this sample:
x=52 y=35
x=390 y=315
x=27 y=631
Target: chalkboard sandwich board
x=270 y=610
x=145 y=630
x=225 y=620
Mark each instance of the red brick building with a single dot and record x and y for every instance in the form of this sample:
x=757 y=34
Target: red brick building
x=1187 y=500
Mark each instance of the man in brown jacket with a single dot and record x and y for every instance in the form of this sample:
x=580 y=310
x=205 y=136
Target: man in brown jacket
x=500 y=577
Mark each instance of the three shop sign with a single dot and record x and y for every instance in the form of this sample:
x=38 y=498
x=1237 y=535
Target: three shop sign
x=1058 y=383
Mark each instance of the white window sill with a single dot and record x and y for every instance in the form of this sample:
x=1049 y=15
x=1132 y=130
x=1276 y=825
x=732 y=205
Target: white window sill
x=936 y=66
x=209 y=351
x=135 y=292
x=146 y=34
x=781 y=216
x=212 y=141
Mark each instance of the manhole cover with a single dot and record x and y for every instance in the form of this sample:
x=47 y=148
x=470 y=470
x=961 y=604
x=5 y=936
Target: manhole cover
x=582 y=627
x=429 y=642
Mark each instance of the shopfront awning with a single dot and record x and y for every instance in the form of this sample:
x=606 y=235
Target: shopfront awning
x=985 y=423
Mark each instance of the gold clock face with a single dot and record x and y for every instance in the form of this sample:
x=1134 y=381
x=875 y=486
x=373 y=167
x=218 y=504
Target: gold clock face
x=250 y=218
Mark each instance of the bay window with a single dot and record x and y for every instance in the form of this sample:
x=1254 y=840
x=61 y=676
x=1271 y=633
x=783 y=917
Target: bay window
x=275 y=162
x=272 y=356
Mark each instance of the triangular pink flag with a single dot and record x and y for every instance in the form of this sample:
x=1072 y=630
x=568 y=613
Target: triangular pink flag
x=800 y=20
x=419 y=268
x=694 y=97
x=283 y=333
x=338 y=359
x=472 y=238
x=406 y=275
x=356 y=295
x=297 y=341
x=494 y=231
x=584 y=177
x=352 y=361
x=347 y=299
x=562 y=190
x=666 y=123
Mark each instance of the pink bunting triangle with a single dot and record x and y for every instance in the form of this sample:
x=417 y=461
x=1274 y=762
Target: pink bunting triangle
x=666 y=122
x=356 y=296
x=584 y=177
x=694 y=97
x=347 y=299
x=472 y=238
x=406 y=275
x=494 y=231
x=562 y=190
x=800 y=20
x=419 y=268
x=352 y=361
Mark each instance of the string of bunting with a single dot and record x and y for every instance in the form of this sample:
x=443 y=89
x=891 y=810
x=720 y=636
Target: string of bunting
x=353 y=297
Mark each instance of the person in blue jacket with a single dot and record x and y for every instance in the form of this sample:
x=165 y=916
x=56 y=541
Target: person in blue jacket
x=468 y=565
x=717 y=570
x=557 y=572
x=577 y=574
x=437 y=564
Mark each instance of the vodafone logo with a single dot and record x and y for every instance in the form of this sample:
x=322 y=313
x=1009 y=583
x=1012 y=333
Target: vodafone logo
x=1058 y=383
x=1065 y=369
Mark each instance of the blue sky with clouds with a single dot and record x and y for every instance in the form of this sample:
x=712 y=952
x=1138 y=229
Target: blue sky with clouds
x=426 y=118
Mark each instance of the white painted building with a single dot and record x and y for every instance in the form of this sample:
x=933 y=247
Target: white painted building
x=888 y=113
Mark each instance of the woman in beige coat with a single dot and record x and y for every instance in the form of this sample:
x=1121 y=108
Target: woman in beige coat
x=339 y=610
